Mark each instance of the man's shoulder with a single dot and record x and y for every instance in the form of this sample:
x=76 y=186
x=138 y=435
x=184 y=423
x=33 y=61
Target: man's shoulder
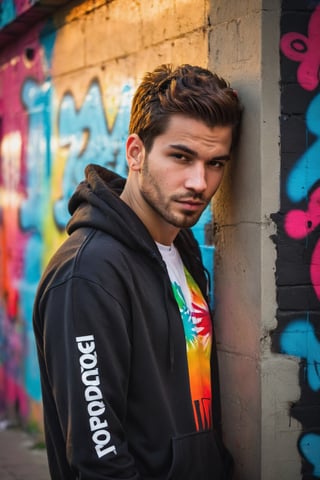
x=89 y=254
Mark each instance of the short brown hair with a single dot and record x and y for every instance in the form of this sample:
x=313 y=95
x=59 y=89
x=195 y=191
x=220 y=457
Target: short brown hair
x=188 y=90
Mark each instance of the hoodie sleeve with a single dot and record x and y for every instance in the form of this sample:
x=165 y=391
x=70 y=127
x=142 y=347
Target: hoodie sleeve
x=86 y=348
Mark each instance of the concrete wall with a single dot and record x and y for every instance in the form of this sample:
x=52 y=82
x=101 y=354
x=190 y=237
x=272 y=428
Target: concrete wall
x=236 y=51
x=267 y=238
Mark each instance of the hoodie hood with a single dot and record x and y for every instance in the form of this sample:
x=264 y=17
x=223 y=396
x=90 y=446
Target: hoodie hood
x=96 y=203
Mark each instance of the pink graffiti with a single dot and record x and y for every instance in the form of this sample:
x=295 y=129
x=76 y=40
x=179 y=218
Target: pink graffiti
x=13 y=162
x=315 y=269
x=13 y=393
x=22 y=5
x=306 y=50
x=298 y=224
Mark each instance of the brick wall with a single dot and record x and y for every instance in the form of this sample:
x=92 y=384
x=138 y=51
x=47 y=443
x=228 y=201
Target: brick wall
x=297 y=241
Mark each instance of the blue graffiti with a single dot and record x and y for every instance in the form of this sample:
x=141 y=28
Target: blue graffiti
x=309 y=445
x=47 y=39
x=207 y=251
x=306 y=172
x=299 y=339
x=36 y=99
x=8 y=12
x=89 y=139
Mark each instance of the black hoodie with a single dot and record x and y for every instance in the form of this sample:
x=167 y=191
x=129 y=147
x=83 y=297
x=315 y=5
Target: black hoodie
x=112 y=350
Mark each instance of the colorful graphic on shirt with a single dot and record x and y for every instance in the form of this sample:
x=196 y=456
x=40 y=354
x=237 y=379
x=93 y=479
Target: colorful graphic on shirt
x=198 y=333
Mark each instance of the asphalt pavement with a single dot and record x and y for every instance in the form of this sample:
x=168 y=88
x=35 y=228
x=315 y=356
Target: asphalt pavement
x=21 y=458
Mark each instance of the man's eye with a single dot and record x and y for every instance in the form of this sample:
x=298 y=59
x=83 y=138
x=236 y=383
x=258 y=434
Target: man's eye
x=180 y=156
x=217 y=164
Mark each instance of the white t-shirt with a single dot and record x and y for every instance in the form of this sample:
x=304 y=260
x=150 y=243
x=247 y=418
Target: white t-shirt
x=197 y=326
x=175 y=268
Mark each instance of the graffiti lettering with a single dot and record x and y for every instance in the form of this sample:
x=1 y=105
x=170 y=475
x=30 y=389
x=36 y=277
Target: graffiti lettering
x=306 y=171
x=90 y=140
x=299 y=337
x=305 y=50
x=309 y=445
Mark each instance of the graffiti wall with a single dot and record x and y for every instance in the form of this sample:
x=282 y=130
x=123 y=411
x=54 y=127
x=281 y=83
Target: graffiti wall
x=298 y=240
x=51 y=127
x=44 y=149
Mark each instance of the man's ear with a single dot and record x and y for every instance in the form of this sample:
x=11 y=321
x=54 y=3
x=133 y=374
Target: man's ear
x=135 y=152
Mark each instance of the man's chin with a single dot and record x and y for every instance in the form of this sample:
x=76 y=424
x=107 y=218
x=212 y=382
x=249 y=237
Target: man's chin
x=187 y=222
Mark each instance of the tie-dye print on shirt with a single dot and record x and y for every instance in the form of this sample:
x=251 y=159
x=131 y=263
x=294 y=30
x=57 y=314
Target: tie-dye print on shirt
x=198 y=333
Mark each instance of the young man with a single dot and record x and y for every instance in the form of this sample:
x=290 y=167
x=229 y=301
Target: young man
x=123 y=328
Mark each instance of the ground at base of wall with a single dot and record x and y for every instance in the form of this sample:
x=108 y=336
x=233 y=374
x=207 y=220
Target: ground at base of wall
x=22 y=456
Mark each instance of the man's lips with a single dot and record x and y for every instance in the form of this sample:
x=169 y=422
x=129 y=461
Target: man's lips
x=191 y=204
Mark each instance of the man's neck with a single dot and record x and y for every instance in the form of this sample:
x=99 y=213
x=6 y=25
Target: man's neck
x=161 y=231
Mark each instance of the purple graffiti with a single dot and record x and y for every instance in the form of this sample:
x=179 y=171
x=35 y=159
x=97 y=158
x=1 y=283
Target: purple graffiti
x=305 y=49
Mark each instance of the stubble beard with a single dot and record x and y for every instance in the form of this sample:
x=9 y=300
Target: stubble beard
x=152 y=195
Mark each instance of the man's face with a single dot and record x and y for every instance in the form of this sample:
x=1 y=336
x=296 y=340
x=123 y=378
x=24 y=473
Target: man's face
x=183 y=170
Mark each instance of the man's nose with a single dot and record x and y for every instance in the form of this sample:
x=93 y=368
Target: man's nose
x=196 y=178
